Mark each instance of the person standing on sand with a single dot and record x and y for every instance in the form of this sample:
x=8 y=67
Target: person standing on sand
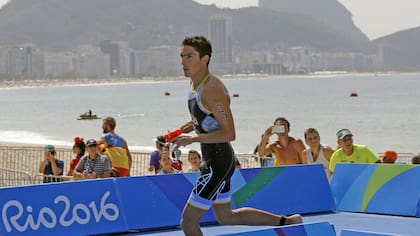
x=212 y=121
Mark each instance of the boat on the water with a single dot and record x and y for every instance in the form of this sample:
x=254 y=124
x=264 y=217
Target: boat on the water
x=88 y=117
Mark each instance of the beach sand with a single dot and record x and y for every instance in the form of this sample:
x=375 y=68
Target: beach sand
x=79 y=82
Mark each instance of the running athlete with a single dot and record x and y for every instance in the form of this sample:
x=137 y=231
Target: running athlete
x=212 y=121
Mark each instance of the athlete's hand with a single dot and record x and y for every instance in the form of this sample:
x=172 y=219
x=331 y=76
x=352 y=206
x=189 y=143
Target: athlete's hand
x=182 y=140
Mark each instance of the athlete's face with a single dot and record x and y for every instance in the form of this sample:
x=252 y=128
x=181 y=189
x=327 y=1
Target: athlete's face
x=191 y=62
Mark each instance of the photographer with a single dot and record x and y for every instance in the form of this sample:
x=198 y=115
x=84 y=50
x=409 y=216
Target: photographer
x=286 y=150
x=50 y=165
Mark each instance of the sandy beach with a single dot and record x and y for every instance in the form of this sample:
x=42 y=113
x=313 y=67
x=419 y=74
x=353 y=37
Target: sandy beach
x=5 y=84
x=79 y=82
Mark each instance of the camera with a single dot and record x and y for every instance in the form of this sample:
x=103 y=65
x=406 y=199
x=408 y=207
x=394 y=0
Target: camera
x=278 y=129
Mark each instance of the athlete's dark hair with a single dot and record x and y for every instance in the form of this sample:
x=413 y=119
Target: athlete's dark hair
x=200 y=43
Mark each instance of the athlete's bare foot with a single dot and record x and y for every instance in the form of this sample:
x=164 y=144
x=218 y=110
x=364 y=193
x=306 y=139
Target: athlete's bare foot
x=293 y=219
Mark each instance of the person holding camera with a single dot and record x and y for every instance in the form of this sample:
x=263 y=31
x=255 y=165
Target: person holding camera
x=51 y=166
x=286 y=150
x=92 y=165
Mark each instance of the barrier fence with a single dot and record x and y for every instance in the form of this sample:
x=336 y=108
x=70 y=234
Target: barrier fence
x=19 y=164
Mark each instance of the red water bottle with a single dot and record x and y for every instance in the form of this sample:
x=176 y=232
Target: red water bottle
x=172 y=134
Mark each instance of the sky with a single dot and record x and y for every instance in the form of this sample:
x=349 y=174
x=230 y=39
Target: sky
x=375 y=18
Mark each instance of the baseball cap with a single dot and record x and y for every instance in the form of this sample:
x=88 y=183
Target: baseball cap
x=343 y=133
x=91 y=142
x=49 y=148
x=390 y=154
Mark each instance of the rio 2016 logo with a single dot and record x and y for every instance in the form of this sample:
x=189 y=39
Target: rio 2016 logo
x=48 y=218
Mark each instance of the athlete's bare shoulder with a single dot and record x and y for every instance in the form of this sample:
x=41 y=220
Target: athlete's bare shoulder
x=215 y=90
x=214 y=84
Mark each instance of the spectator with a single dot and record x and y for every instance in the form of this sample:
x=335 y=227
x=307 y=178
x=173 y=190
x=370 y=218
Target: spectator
x=117 y=148
x=92 y=165
x=79 y=150
x=317 y=152
x=415 y=159
x=349 y=152
x=287 y=150
x=265 y=161
x=176 y=155
x=154 y=157
x=51 y=166
x=389 y=156
x=166 y=164
x=194 y=158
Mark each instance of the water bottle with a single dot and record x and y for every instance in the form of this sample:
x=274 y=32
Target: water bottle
x=172 y=134
x=87 y=168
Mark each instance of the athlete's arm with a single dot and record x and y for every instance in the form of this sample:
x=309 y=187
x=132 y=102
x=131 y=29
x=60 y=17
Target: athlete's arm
x=216 y=99
x=187 y=127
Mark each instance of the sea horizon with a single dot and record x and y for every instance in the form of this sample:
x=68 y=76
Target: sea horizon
x=38 y=115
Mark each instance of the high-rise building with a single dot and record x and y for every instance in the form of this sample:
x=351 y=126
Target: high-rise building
x=19 y=61
x=121 y=57
x=220 y=35
x=113 y=49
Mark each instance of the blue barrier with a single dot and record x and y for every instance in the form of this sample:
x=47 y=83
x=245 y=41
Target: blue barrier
x=361 y=233
x=148 y=202
x=82 y=208
x=371 y=188
x=158 y=201
x=313 y=229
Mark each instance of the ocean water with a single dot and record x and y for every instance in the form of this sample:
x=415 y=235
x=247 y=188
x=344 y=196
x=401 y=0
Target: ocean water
x=384 y=115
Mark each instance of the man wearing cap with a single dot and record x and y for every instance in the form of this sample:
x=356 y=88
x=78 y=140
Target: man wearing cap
x=389 y=156
x=349 y=152
x=92 y=165
x=154 y=157
x=50 y=165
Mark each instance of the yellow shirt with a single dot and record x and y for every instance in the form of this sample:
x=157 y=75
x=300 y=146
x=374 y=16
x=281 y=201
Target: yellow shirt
x=361 y=154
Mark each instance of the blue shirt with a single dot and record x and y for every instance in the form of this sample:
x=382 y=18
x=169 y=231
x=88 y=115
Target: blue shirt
x=114 y=140
x=48 y=171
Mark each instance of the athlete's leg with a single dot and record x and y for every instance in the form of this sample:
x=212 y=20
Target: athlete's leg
x=190 y=220
x=250 y=216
